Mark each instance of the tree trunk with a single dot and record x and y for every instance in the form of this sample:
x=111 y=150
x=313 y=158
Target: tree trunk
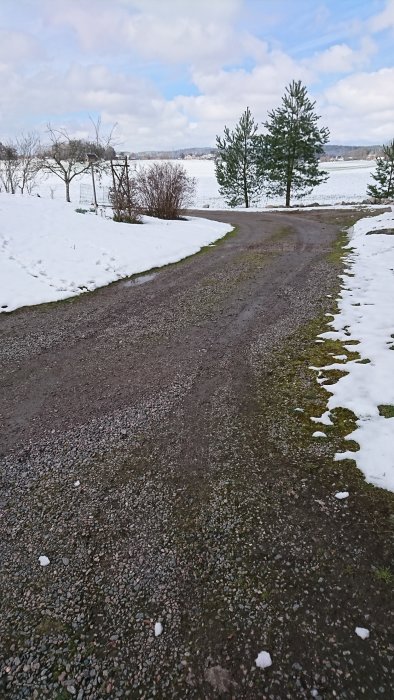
x=245 y=184
x=67 y=190
x=288 y=192
x=390 y=180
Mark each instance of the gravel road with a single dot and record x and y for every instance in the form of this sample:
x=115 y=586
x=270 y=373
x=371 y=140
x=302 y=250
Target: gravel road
x=147 y=453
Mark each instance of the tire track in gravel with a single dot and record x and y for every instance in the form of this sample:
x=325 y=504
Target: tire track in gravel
x=102 y=350
x=157 y=399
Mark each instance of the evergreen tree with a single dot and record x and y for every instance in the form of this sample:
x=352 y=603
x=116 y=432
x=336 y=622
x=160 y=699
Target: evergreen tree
x=384 y=175
x=293 y=143
x=236 y=167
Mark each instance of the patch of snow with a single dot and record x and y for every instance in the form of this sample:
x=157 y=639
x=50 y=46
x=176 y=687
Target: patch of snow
x=77 y=483
x=299 y=410
x=319 y=434
x=348 y=454
x=321 y=380
x=158 y=629
x=44 y=561
x=362 y=632
x=263 y=660
x=366 y=315
x=340 y=357
x=324 y=419
x=341 y=495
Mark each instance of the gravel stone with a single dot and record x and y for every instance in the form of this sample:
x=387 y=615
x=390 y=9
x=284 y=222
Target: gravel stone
x=198 y=505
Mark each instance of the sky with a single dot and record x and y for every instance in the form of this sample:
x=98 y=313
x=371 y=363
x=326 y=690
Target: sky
x=172 y=73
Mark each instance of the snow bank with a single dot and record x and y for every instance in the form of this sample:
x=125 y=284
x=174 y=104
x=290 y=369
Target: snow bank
x=48 y=251
x=366 y=314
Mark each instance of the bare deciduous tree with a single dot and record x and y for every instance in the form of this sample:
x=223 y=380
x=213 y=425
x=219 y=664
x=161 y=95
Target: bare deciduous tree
x=9 y=167
x=28 y=147
x=165 y=190
x=66 y=157
x=104 y=142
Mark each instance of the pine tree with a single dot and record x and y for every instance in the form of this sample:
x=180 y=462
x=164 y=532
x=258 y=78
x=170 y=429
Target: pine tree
x=237 y=169
x=384 y=175
x=293 y=143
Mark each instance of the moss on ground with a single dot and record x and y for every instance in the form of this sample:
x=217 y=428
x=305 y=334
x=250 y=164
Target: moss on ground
x=291 y=384
x=386 y=410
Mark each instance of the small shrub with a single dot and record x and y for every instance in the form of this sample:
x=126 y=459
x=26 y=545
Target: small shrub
x=165 y=190
x=124 y=202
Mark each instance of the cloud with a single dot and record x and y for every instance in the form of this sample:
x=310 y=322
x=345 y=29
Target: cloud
x=110 y=58
x=341 y=58
x=18 y=48
x=361 y=107
x=383 y=20
x=172 y=31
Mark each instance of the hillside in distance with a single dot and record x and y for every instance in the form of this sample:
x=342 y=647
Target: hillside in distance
x=331 y=152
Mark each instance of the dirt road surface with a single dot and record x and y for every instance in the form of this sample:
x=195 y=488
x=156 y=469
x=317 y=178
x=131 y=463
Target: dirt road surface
x=151 y=450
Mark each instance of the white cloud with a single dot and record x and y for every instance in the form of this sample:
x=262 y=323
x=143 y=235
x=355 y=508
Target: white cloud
x=385 y=19
x=360 y=108
x=341 y=58
x=115 y=45
x=171 y=31
x=18 y=48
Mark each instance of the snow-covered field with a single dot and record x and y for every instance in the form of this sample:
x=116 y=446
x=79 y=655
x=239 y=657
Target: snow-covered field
x=347 y=182
x=366 y=315
x=49 y=252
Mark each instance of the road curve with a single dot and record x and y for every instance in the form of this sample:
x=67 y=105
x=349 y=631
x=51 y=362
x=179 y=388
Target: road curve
x=146 y=453
x=63 y=364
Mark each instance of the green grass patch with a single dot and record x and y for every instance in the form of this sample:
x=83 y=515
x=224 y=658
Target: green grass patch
x=384 y=574
x=386 y=410
x=334 y=375
x=338 y=252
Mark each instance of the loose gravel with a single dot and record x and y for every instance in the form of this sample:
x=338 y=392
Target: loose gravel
x=149 y=457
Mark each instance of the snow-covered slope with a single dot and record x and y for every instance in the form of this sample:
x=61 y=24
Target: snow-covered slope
x=48 y=251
